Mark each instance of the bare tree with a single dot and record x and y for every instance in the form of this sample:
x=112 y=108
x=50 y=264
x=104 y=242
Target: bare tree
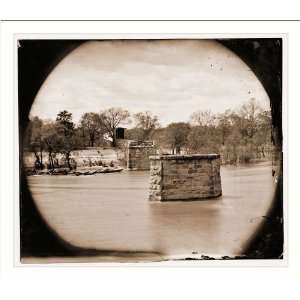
x=249 y=113
x=224 y=125
x=203 y=118
x=53 y=141
x=90 y=123
x=263 y=135
x=35 y=141
x=110 y=119
x=176 y=136
x=147 y=123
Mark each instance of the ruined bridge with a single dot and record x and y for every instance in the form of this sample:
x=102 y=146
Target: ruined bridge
x=176 y=177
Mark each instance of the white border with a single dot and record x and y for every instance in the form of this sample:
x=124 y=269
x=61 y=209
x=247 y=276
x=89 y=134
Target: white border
x=188 y=279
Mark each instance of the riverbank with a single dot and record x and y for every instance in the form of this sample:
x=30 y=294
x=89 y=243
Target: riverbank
x=83 y=162
x=79 y=171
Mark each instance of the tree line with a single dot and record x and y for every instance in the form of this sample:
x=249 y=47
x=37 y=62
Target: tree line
x=238 y=135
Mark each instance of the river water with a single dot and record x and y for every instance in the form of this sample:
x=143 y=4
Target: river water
x=112 y=211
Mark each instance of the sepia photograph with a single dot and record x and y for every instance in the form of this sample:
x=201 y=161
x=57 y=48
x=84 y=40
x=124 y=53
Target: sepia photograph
x=150 y=150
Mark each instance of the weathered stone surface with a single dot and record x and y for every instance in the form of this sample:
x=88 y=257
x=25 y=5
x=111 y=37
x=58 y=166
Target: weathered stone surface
x=138 y=156
x=184 y=177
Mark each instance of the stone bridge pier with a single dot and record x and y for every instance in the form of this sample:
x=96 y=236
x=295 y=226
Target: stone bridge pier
x=138 y=154
x=184 y=177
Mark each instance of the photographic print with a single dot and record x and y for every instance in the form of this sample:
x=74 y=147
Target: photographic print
x=150 y=150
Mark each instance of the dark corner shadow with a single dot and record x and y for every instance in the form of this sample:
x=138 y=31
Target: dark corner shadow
x=268 y=243
x=39 y=240
x=264 y=57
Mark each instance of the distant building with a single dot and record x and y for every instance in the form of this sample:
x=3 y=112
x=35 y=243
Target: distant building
x=120 y=133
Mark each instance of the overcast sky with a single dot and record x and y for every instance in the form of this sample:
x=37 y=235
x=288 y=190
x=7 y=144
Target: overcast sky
x=170 y=78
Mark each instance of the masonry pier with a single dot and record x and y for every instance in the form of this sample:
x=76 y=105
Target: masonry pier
x=184 y=177
x=138 y=155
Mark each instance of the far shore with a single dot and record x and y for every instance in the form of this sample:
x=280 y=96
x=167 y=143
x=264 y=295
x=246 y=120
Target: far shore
x=78 y=172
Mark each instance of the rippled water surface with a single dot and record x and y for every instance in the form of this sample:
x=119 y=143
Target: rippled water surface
x=112 y=211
